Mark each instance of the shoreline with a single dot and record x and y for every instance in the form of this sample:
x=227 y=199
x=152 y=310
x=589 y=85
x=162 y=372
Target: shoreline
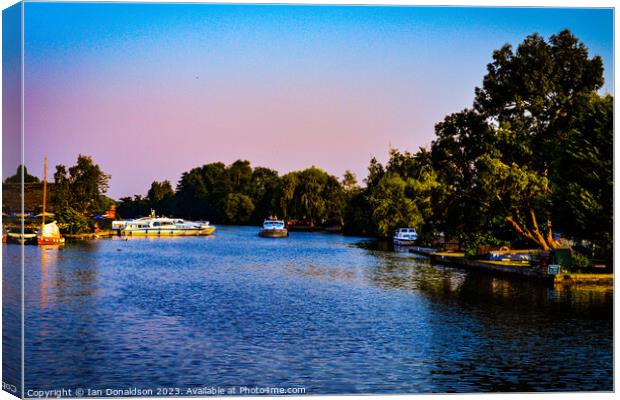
x=515 y=270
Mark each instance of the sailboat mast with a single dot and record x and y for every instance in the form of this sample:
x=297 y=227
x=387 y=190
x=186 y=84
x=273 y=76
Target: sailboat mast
x=44 y=188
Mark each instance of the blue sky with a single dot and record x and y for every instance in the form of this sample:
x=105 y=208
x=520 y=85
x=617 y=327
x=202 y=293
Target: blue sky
x=283 y=86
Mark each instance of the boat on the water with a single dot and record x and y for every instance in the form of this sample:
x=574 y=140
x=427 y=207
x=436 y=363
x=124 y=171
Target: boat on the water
x=162 y=226
x=21 y=238
x=273 y=228
x=405 y=237
x=49 y=234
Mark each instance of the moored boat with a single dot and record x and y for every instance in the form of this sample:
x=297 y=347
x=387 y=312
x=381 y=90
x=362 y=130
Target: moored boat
x=21 y=238
x=273 y=228
x=49 y=234
x=405 y=237
x=162 y=226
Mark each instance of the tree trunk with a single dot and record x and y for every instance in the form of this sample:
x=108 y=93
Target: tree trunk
x=546 y=243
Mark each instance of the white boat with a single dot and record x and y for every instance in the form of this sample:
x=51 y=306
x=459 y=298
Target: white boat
x=22 y=238
x=162 y=226
x=49 y=234
x=405 y=236
x=273 y=228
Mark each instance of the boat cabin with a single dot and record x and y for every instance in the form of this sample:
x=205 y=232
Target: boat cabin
x=273 y=224
x=406 y=233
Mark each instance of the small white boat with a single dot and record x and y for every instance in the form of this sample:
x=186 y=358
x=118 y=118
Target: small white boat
x=405 y=237
x=22 y=238
x=273 y=228
x=49 y=234
x=162 y=226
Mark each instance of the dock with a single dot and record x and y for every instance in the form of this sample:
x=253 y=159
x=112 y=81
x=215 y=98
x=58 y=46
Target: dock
x=514 y=269
x=93 y=235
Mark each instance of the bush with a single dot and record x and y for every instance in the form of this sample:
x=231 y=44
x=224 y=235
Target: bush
x=473 y=240
x=70 y=221
x=580 y=260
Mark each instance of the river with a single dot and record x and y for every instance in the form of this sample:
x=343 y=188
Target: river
x=327 y=313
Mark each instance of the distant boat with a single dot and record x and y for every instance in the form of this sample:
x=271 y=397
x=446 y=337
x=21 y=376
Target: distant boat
x=405 y=236
x=273 y=228
x=162 y=226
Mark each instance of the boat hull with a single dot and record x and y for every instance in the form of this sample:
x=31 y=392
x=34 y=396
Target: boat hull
x=157 y=232
x=404 y=242
x=41 y=240
x=26 y=238
x=273 y=233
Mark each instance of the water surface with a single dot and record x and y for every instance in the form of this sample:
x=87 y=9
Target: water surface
x=316 y=311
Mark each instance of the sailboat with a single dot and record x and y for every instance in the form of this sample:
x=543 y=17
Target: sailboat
x=48 y=233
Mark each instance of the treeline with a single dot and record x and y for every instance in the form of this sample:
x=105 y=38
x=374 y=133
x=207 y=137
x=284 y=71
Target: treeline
x=240 y=194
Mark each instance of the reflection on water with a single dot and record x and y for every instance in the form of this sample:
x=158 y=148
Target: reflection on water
x=11 y=318
x=313 y=310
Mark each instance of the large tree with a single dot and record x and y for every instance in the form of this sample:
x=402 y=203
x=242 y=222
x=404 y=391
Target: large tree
x=81 y=187
x=507 y=157
x=312 y=194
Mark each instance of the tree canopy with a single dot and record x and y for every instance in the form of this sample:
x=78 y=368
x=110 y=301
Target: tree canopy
x=512 y=156
x=17 y=178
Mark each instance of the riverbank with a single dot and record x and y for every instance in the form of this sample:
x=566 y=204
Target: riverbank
x=514 y=269
x=91 y=235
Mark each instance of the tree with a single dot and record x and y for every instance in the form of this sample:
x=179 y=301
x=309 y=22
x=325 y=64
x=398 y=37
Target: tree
x=237 y=208
x=349 y=182
x=392 y=208
x=312 y=194
x=82 y=187
x=583 y=196
x=234 y=194
x=520 y=194
x=264 y=189
x=17 y=178
x=399 y=194
x=530 y=111
x=160 y=197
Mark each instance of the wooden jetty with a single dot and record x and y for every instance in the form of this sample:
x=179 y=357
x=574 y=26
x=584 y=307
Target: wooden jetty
x=513 y=269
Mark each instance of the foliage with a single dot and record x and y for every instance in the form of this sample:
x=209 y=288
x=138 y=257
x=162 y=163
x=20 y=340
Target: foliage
x=392 y=208
x=580 y=261
x=132 y=208
x=512 y=156
x=81 y=187
x=471 y=241
x=17 y=178
x=237 y=208
x=160 y=197
x=72 y=221
x=397 y=195
x=314 y=195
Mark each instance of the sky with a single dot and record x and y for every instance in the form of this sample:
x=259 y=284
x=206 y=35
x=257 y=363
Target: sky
x=153 y=90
